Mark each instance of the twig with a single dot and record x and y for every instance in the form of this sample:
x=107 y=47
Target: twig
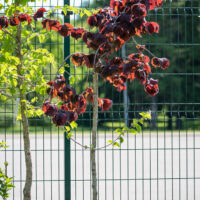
x=99 y=148
x=97 y=51
x=20 y=76
x=5 y=31
x=61 y=67
x=6 y=95
x=144 y=47
x=30 y=36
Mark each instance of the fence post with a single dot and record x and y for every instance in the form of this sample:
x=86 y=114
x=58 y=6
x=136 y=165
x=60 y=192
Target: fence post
x=125 y=94
x=67 y=156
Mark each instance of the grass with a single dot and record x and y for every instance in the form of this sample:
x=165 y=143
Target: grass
x=81 y=130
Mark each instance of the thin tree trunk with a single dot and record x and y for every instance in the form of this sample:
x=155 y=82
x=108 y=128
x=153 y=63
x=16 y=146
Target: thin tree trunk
x=28 y=161
x=94 y=133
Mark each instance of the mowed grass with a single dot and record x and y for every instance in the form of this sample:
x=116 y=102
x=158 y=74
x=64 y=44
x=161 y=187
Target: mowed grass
x=83 y=130
x=45 y=126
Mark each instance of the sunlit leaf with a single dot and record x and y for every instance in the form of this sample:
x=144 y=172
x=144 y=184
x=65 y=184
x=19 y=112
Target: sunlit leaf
x=132 y=130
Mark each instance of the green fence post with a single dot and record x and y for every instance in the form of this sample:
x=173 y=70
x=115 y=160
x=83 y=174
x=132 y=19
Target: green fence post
x=67 y=152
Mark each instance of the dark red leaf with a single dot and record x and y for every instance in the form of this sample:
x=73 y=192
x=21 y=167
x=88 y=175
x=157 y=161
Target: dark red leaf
x=78 y=59
x=152 y=27
x=3 y=22
x=14 y=21
x=65 y=29
x=104 y=104
x=151 y=87
x=49 y=109
x=77 y=33
x=39 y=14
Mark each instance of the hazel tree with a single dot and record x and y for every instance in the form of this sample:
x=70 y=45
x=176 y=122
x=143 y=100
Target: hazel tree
x=124 y=20
x=21 y=66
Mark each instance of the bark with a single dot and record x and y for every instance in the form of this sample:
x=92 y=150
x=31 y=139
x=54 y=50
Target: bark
x=94 y=133
x=25 y=126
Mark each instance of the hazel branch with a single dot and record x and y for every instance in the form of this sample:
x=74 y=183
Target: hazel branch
x=144 y=47
x=99 y=148
x=63 y=63
x=95 y=57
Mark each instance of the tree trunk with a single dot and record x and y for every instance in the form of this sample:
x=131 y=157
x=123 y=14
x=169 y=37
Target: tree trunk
x=94 y=133
x=25 y=126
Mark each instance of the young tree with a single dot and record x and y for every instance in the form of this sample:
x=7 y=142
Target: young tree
x=115 y=25
x=21 y=66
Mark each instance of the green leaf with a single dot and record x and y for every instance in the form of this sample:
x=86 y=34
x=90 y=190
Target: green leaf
x=67 y=128
x=61 y=70
x=116 y=144
x=60 y=103
x=19 y=117
x=95 y=11
x=125 y=128
x=110 y=141
x=81 y=13
x=119 y=131
x=138 y=128
x=66 y=65
x=145 y=115
x=141 y=121
x=135 y=122
x=73 y=125
x=68 y=135
x=42 y=90
x=39 y=112
x=1 y=6
x=71 y=80
x=58 y=7
x=132 y=130
x=41 y=38
x=121 y=140
x=3 y=98
x=87 y=12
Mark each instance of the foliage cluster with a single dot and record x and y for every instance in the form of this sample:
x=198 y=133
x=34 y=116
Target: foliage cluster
x=116 y=25
x=5 y=181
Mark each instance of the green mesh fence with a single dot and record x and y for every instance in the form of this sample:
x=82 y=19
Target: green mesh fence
x=159 y=164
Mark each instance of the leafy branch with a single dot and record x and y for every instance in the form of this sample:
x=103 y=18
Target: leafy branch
x=136 y=127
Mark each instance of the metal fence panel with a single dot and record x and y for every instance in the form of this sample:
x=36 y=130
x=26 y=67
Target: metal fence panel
x=161 y=163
